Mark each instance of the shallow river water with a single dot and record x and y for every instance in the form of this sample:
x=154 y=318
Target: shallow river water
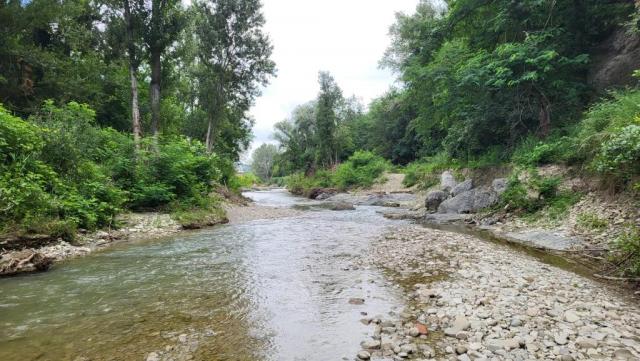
x=273 y=289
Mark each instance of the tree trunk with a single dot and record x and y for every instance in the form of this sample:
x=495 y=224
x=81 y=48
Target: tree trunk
x=133 y=72
x=209 y=138
x=544 y=116
x=135 y=109
x=155 y=51
x=155 y=91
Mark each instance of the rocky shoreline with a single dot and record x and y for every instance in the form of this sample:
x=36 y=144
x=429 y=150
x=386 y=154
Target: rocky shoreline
x=474 y=300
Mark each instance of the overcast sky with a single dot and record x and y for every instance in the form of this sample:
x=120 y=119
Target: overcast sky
x=345 y=37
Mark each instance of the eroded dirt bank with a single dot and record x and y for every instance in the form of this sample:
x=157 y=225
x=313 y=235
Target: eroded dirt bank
x=474 y=300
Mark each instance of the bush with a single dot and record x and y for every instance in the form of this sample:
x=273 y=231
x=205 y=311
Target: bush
x=533 y=152
x=619 y=156
x=532 y=194
x=245 y=180
x=628 y=252
x=60 y=171
x=298 y=184
x=608 y=139
x=426 y=173
x=590 y=221
x=360 y=170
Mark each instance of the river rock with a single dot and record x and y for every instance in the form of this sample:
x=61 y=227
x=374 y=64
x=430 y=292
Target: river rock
x=560 y=338
x=499 y=185
x=584 y=342
x=371 y=344
x=152 y=357
x=433 y=200
x=356 y=301
x=338 y=206
x=322 y=193
x=447 y=181
x=571 y=317
x=467 y=185
x=461 y=323
x=469 y=201
x=364 y=355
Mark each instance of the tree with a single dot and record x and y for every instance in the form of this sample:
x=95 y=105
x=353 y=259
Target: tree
x=234 y=55
x=329 y=100
x=162 y=30
x=262 y=160
x=132 y=21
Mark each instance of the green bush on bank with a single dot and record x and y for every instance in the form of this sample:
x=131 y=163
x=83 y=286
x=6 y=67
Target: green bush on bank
x=529 y=193
x=59 y=171
x=361 y=170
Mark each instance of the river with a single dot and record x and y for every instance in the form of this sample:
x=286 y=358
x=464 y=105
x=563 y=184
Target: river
x=273 y=289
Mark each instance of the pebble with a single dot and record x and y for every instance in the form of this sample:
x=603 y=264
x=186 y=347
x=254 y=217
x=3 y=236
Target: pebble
x=495 y=303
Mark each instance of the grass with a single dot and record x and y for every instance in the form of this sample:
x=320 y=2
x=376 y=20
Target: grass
x=590 y=221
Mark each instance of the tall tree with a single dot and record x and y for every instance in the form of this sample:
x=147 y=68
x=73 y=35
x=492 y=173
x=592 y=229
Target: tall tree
x=132 y=21
x=263 y=159
x=234 y=53
x=329 y=100
x=163 y=29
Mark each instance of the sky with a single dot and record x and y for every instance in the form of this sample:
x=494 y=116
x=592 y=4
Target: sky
x=345 y=37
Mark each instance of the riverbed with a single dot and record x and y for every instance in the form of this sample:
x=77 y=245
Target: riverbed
x=264 y=289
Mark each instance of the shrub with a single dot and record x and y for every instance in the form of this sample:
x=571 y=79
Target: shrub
x=590 y=221
x=628 y=252
x=60 y=171
x=532 y=152
x=297 y=183
x=536 y=193
x=619 y=156
x=360 y=170
x=426 y=173
x=244 y=180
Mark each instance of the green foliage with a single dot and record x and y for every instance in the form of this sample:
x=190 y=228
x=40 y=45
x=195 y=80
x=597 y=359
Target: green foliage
x=60 y=171
x=628 y=252
x=426 y=172
x=298 y=184
x=198 y=212
x=533 y=152
x=590 y=221
x=619 y=156
x=532 y=194
x=360 y=170
x=262 y=160
x=481 y=76
x=244 y=180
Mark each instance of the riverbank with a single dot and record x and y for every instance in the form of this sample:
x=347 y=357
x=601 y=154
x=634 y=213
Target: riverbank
x=133 y=227
x=469 y=299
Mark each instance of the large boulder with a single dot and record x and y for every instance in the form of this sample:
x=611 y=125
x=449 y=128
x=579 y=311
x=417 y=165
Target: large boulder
x=469 y=201
x=447 y=181
x=499 y=185
x=321 y=194
x=467 y=185
x=434 y=198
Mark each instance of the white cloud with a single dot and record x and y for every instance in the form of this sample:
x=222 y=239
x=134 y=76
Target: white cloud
x=344 y=37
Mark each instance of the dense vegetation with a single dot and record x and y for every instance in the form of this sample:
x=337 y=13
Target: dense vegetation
x=117 y=105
